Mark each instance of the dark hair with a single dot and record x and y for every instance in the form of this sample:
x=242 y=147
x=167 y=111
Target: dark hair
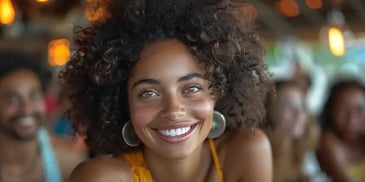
x=326 y=119
x=216 y=31
x=10 y=62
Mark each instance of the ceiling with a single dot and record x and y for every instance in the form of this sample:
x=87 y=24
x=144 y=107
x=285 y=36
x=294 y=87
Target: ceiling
x=53 y=18
x=309 y=21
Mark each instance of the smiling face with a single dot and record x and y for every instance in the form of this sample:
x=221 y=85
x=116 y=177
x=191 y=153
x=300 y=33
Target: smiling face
x=21 y=105
x=288 y=111
x=348 y=113
x=171 y=105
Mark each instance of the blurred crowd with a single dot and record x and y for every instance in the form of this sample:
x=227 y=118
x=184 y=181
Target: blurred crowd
x=327 y=145
x=315 y=123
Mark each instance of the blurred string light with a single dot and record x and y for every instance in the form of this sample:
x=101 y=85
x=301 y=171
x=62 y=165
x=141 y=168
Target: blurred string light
x=336 y=41
x=7 y=12
x=96 y=10
x=314 y=4
x=288 y=8
x=249 y=10
x=42 y=1
x=58 y=52
x=335 y=34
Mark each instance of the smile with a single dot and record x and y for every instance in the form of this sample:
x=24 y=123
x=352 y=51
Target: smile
x=175 y=132
x=26 y=121
x=176 y=135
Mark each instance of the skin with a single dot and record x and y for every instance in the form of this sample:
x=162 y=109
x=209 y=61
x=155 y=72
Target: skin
x=167 y=91
x=22 y=112
x=289 y=111
x=334 y=152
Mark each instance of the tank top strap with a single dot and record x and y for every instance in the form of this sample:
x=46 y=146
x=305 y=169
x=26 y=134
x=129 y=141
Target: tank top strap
x=50 y=164
x=216 y=160
x=138 y=166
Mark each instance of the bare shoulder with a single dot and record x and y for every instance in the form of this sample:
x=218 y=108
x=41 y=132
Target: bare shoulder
x=330 y=150
x=248 y=154
x=328 y=140
x=331 y=157
x=67 y=154
x=66 y=148
x=329 y=147
x=101 y=169
x=248 y=140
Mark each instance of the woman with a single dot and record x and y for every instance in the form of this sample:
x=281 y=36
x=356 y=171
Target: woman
x=341 y=151
x=293 y=135
x=148 y=83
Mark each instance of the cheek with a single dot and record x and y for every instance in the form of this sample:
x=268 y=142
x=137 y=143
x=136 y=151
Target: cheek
x=202 y=110
x=338 y=118
x=7 y=110
x=39 y=107
x=283 y=117
x=142 y=114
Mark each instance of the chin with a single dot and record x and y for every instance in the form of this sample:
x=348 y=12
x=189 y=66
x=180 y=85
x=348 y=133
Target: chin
x=26 y=134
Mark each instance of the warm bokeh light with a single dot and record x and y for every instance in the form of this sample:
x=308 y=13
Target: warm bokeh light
x=42 y=1
x=58 y=52
x=7 y=12
x=288 y=8
x=314 y=4
x=249 y=10
x=336 y=41
x=96 y=11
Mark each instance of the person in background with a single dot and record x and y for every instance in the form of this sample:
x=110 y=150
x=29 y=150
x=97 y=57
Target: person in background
x=171 y=90
x=293 y=135
x=27 y=151
x=341 y=151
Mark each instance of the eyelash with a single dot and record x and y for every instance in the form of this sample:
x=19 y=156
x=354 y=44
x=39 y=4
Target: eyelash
x=151 y=93
x=147 y=93
x=189 y=89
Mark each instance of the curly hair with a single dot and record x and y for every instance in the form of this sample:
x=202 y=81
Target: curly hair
x=217 y=32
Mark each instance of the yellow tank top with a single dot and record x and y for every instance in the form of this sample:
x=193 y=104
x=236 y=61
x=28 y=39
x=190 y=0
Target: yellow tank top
x=356 y=171
x=141 y=173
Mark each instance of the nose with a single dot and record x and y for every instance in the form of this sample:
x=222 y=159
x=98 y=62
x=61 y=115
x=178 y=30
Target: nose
x=173 y=108
x=26 y=106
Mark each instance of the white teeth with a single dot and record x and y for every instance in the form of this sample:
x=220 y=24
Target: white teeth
x=175 y=132
x=28 y=120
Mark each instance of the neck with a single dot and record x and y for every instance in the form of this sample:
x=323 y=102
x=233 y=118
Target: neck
x=195 y=167
x=15 y=152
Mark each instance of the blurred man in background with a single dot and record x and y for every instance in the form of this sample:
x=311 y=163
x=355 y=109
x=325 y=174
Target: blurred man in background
x=27 y=151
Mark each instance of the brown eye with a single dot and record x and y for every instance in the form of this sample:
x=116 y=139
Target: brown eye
x=13 y=99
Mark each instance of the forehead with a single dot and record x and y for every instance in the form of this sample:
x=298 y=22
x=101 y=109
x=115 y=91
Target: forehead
x=169 y=56
x=287 y=89
x=22 y=79
x=349 y=92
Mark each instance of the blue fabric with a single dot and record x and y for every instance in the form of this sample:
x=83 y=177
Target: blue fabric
x=50 y=164
x=62 y=127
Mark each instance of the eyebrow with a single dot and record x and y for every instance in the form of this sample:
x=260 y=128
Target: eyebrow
x=154 y=81
x=190 y=76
